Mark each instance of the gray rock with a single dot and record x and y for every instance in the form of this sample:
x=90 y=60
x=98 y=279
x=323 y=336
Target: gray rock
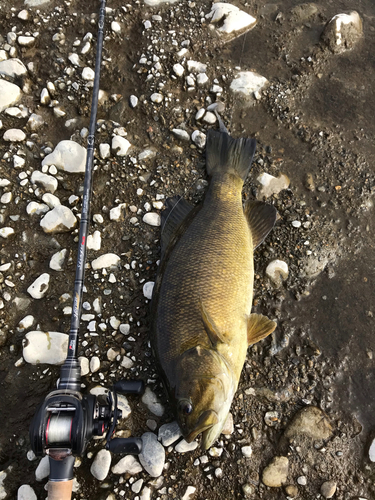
x=311 y=422
x=169 y=433
x=68 y=156
x=3 y=493
x=45 y=347
x=276 y=472
x=101 y=464
x=342 y=32
x=183 y=446
x=181 y=134
x=199 y=138
x=39 y=287
x=127 y=465
x=25 y=492
x=147 y=289
x=47 y=182
x=371 y=451
x=328 y=489
x=233 y=19
x=42 y=471
x=152 y=456
x=152 y=402
x=59 y=220
x=12 y=68
x=248 y=82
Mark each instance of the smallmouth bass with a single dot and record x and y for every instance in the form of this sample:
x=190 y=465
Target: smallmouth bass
x=201 y=305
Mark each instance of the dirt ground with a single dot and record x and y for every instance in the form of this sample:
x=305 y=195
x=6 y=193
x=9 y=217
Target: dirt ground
x=313 y=123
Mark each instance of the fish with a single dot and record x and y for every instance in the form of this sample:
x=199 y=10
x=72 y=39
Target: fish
x=201 y=320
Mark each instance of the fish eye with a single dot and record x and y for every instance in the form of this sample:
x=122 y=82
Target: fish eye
x=185 y=407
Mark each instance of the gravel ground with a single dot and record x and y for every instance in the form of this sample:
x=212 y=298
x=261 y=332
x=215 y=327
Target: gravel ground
x=302 y=416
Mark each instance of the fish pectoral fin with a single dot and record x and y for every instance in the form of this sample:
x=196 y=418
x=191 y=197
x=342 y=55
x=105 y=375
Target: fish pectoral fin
x=211 y=329
x=176 y=211
x=261 y=218
x=259 y=327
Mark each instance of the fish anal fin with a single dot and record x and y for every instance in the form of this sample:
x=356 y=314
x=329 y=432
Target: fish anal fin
x=261 y=218
x=212 y=331
x=259 y=327
x=176 y=211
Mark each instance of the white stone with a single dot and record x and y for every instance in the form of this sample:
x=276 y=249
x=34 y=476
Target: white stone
x=137 y=486
x=146 y=492
x=156 y=98
x=202 y=79
x=115 y=27
x=36 y=3
x=277 y=271
x=9 y=94
x=183 y=446
x=125 y=328
x=16 y=112
x=152 y=3
x=6 y=198
x=133 y=99
x=47 y=182
x=45 y=98
x=88 y=74
x=152 y=402
x=302 y=480
x=26 y=322
x=23 y=14
x=181 y=134
x=85 y=365
x=25 y=492
x=169 y=433
x=98 y=218
x=196 y=67
x=209 y=118
x=39 y=287
x=42 y=471
x=94 y=364
x=248 y=82
x=34 y=208
x=12 y=68
x=178 y=69
x=14 y=135
x=199 y=138
x=200 y=113
x=152 y=218
x=234 y=19
x=74 y=59
x=104 y=150
x=107 y=260
x=371 y=452
x=26 y=41
x=117 y=213
x=57 y=260
x=94 y=241
x=45 y=347
x=247 y=451
x=123 y=405
x=68 y=156
x=51 y=200
x=101 y=464
x=147 y=154
x=127 y=363
x=271 y=185
x=152 y=456
x=59 y=220
x=147 y=289
x=5 y=232
x=120 y=145
x=127 y=465
x=188 y=495
x=352 y=21
x=296 y=223
x=18 y=161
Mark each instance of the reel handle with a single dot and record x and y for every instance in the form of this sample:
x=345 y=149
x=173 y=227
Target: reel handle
x=128 y=446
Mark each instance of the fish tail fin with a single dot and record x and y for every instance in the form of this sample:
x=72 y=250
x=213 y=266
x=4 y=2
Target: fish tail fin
x=224 y=154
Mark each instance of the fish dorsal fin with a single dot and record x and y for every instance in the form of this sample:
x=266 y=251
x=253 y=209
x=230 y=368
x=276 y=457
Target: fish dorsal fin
x=175 y=212
x=259 y=327
x=212 y=331
x=261 y=218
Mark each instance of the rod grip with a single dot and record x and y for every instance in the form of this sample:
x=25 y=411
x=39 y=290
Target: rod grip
x=60 y=490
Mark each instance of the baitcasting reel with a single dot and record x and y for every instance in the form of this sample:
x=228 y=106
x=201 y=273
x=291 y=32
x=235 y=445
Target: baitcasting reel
x=66 y=421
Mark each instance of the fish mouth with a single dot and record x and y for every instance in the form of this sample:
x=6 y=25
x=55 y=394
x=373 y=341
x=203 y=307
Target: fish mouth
x=207 y=420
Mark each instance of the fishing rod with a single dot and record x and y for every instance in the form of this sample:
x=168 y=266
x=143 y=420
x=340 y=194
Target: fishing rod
x=67 y=419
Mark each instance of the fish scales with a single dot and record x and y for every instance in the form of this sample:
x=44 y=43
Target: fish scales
x=201 y=324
